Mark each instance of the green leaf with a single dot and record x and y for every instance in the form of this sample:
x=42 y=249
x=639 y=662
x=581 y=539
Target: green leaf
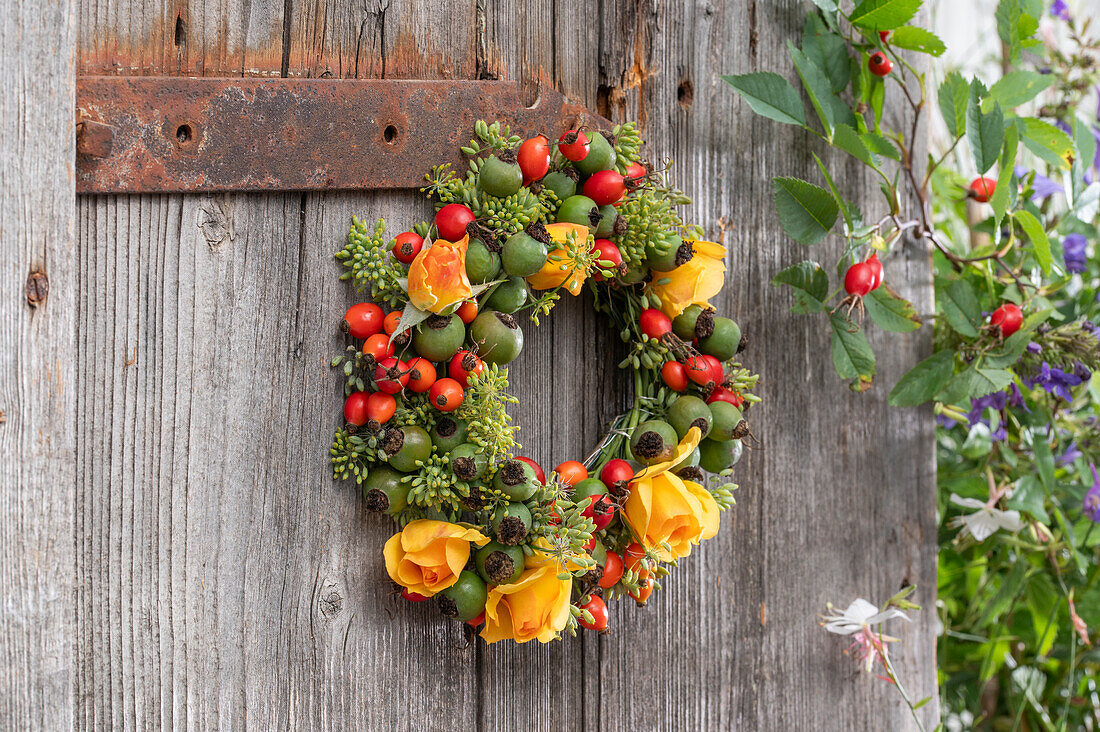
x=770 y=95
x=883 y=14
x=849 y=141
x=852 y=354
x=1016 y=24
x=985 y=132
x=973 y=383
x=810 y=284
x=846 y=208
x=806 y=211
x=1028 y=496
x=1086 y=151
x=891 y=311
x=829 y=6
x=1016 y=88
x=960 y=306
x=879 y=145
x=1048 y=142
x=1002 y=194
x=953 y=95
x=912 y=38
x=411 y=316
x=827 y=51
x=1010 y=588
x=1044 y=459
x=1039 y=241
x=816 y=85
x=924 y=380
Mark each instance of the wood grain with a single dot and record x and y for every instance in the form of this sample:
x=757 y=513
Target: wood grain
x=225 y=580
x=37 y=384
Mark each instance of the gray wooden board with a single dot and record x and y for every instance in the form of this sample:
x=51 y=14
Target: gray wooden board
x=37 y=363
x=224 y=579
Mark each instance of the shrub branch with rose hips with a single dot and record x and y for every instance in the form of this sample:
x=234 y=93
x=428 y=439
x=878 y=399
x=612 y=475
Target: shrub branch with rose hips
x=426 y=432
x=1007 y=202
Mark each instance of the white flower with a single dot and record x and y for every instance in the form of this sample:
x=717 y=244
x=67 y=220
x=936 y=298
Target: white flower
x=985 y=521
x=859 y=615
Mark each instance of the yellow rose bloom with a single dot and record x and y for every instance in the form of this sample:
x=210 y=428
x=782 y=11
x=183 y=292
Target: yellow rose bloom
x=534 y=607
x=662 y=507
x=565 y=272
x=427 y=556
x=437 y=277
x=692 y=283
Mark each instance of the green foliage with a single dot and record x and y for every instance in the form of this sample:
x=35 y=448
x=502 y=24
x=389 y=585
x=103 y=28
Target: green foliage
x=1019 y=414
x=484 y=410
x=370 y=268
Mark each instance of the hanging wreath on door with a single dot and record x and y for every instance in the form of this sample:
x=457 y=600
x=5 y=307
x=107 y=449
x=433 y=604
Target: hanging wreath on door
x=483 y=530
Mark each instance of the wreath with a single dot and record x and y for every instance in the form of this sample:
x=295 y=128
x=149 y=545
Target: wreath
x=499 y=544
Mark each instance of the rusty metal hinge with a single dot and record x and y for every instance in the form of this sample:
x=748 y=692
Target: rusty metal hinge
x=157 y=134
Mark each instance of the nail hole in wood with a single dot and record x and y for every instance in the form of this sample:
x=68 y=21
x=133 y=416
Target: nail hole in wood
x=685 y=93
x=183 y=134
x=389 y=134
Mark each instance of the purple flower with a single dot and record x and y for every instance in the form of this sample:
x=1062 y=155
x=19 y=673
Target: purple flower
x=1063 y=126
x=1092 y=498
x=945 y=422
x=999 y=434
x=1060 y=10
x=1015 y=399
x=1041 y=186
x=978 y=405
x=1073 y=247
x=1071 y=454
x=1056 y=381
x=1034 y=347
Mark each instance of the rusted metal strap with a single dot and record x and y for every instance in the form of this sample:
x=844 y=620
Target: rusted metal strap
x=155 y=134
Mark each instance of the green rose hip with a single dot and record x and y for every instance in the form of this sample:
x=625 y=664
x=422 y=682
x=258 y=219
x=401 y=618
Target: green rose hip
x=516 y=480
x=511 y=523
x=580 y=210
x=523 y=255
x=689 y=411
x=465 y=599
x=448 y=433
x=714 y=456
x=601 y=155
x=406 y=446
x=498 y=337
x=439 y=337
x=727 y=422
x=482 y=265
x=653 y=441
x=499 y=175
x=499 y=564
x=723 y=341
x=508 y=297
x=561 y=184
x=383 y=490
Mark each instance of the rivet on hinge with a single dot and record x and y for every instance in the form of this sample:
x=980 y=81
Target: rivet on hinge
x=94 y=139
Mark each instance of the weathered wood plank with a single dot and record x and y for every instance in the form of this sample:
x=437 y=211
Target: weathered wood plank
x=37 y=384
x=226 y=580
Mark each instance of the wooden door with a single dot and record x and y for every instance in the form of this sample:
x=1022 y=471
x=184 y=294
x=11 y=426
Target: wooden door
x=175 y=552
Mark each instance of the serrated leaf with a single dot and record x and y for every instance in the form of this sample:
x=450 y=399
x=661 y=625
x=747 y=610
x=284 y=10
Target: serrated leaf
x=891 y=311
x=924 y=380
x=829 y=6
x=973 y=383
x=770 y=95
x=827 y=51
x=807 y=212
x=884 y=14
x=810 y=284
x=1016 y=88
x=852 y=354
x=850 y=142
x=960 y=307
x=953 y=95
x=1015 y=25
x=1048 y=142
x=1039 y=241
x=1086 y=153
x=849 y=211
x=985 y=131
x=879 y=145
x=1002 y=194
x=912 y=38
x=1028 y=495
x=411 y=316
x=817 y=87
